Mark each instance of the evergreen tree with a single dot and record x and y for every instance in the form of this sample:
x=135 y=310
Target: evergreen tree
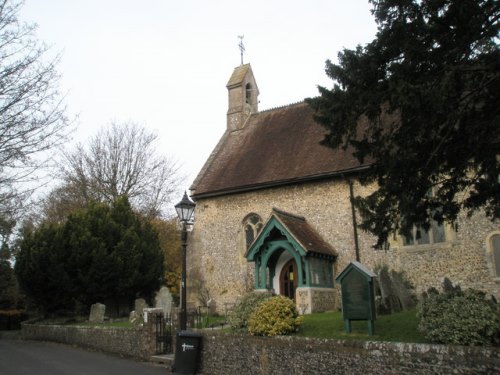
x=102 y=253
x=9 y=294
x=429 y=87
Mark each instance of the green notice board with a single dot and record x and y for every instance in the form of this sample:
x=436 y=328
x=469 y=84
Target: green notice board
x=358 y=298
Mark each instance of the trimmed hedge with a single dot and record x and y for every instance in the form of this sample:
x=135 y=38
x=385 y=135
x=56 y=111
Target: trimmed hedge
x=460 y=318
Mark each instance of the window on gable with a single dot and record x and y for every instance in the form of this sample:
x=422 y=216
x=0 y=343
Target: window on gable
x=420 y=236
x=252 y=224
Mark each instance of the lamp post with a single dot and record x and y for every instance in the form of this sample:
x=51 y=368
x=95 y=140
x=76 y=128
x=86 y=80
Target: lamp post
x=185 y=210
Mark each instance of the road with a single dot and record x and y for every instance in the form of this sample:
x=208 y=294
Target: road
x=18 y=357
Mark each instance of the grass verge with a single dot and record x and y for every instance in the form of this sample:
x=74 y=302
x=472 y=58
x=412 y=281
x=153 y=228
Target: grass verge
x=400 y=327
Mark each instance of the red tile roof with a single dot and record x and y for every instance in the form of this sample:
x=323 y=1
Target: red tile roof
x=276 y=147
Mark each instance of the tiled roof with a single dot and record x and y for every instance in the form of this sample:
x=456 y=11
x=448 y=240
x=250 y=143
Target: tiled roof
x=238 y=75
x=304 y=234
x=276 y=147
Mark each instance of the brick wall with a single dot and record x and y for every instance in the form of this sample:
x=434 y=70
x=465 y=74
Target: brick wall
x=242 y=354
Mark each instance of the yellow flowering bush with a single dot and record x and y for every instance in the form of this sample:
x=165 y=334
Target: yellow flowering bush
x=276 y=316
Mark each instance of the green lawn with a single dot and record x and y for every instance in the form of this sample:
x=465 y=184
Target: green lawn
x=400 y=327
x=119 y=324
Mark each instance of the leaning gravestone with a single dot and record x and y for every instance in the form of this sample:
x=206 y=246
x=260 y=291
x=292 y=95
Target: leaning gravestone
x=132 y=317
x=404 y=294
x=139 y=306
x=97 y=311
x=163 y=300
x=390 y=301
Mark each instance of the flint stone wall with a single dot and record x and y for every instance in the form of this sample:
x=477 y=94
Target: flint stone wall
x=216 y=248
x=224 y=353
x=139 y=342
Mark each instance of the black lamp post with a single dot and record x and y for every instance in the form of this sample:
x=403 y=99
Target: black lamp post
x=185 y=209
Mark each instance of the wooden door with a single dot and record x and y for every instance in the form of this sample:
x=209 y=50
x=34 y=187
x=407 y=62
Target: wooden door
x=288 y=279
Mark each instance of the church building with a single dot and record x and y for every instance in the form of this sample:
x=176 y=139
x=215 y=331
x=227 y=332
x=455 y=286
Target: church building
x=273 y=212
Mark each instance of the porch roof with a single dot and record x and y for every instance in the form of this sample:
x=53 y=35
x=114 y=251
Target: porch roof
x=297 y=230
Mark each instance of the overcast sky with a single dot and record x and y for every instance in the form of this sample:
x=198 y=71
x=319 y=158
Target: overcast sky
x=164 y=64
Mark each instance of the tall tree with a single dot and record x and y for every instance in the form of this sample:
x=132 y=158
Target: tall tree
x=170 y=243
x=9 y=293
x=32 y=117
x=105 y=252
x=121 y=159
x=429 y=86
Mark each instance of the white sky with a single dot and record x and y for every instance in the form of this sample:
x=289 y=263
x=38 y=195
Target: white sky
x=164 y=64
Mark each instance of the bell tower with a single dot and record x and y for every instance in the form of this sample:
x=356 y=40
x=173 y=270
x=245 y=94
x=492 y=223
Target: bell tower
x=243 y=97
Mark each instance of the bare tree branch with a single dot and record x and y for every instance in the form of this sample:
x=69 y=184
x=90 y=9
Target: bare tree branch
x=32 y=115
x=122 y=160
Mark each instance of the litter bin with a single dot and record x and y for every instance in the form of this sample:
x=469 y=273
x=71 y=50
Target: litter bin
x=187 y=352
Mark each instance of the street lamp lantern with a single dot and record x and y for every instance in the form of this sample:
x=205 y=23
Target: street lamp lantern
x=185 y=210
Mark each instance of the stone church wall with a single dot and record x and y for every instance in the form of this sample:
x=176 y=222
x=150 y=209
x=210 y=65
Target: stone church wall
x=216 y=249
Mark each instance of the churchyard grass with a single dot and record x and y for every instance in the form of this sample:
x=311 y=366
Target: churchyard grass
x=399 y=327
x=117 y=324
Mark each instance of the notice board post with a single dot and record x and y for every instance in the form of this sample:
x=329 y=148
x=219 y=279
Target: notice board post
x=358 y=297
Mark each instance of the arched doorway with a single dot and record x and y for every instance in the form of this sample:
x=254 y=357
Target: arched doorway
x=288 y=279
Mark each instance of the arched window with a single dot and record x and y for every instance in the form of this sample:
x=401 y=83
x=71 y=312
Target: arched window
x=252 y=224
x=248 y=93
x=494 y=253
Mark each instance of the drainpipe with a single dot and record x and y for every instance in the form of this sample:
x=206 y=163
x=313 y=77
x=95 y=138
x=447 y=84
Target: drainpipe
x=354 y=223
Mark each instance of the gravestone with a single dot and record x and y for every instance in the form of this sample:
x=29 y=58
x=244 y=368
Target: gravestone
x=163 y=300
x=133 y=318
x=404 y=294
x=390 y=301
x=139 y=306
x=97 y=311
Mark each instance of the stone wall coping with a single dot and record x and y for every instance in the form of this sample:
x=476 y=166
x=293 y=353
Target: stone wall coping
x=399 y=347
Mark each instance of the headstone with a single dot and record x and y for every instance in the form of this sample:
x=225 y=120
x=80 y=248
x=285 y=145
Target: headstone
x=163 y=300
x=449 y=287
x=97 y=311
x=390 y=301
x=404 y=294
x=139 y=306
x=132 y=317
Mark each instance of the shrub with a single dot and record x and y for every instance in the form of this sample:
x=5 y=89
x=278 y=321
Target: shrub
x=276 y=316
x=238 y=318
x=11 y=319
x=460 y=318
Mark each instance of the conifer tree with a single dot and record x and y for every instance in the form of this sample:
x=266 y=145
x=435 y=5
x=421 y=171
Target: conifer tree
x=429 y=86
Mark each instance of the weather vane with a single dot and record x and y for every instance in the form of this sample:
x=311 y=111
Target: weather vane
x=242 y=47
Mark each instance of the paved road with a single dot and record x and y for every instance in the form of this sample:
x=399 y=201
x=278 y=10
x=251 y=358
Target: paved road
x=18 y=357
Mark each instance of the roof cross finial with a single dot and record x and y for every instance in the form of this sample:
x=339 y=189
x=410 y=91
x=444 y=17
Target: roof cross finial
x=242 y=47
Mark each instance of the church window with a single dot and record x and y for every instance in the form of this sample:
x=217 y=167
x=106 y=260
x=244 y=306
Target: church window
x=494 y=247
x=321 y=272
x=420 y=236
x=252 y=224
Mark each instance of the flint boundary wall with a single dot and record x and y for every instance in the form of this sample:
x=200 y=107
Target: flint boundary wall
x=224 y=354
x=228 y=353
x=137 y=342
